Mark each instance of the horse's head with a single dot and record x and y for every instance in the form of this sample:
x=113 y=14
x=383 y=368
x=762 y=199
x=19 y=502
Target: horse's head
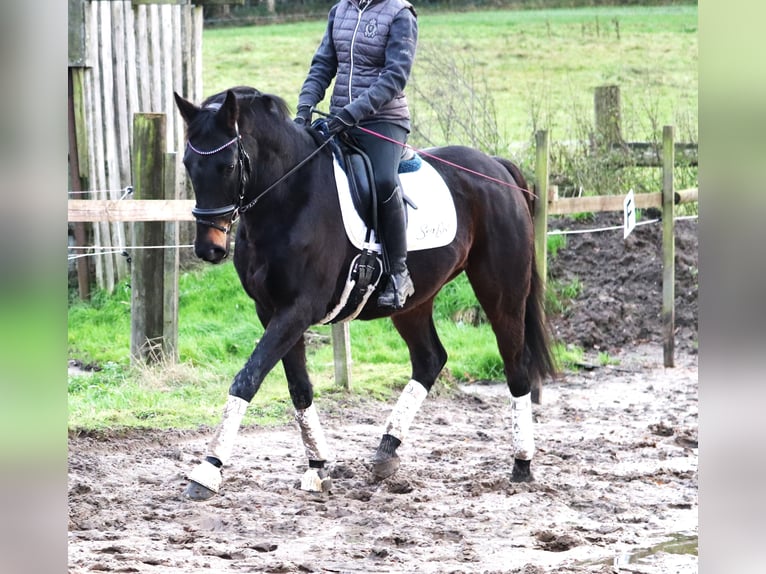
x=219 y=168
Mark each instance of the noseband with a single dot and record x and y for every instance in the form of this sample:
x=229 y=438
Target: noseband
x=233 y=209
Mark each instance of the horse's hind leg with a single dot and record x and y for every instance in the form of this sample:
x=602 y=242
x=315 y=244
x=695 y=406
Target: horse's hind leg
x=428 y=357
x=316 y=478
x=505 y=309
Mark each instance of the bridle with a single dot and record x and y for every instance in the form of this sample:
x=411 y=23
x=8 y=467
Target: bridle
x=233 y=209
x=244 y=166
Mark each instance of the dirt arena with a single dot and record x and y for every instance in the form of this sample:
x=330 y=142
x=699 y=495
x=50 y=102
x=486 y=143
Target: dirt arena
x=616 y=466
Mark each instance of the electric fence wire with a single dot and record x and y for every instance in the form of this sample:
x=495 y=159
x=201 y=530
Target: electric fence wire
x=111 y=250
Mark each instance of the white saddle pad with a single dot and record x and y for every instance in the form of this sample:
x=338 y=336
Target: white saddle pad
x=432 y=224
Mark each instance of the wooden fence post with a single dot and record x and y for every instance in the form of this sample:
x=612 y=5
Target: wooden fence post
x=606 y=104
x=541 y=204
x=668 y=246
x=341 y=351
x=148 y=268
x=172 y=260
x=75 y=183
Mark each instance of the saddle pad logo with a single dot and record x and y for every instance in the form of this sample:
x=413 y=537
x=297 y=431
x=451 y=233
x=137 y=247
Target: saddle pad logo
x=432 y=224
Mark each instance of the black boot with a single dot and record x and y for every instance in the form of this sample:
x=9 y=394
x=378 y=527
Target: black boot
x=394 y=235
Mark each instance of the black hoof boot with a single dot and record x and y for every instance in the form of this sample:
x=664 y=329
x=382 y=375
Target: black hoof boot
x=195 y=491
x=521 y=471
x=386 y=462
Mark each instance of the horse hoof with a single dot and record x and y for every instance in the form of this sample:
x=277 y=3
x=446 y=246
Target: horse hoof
x=316 y=480
x=521 y=471
x=195 y=491
x=382 y=469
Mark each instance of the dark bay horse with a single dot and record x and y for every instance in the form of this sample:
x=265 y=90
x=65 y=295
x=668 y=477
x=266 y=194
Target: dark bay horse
x=247 y=159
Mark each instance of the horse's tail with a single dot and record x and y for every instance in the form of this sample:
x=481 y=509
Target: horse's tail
x=520 y=180
x=538 y=358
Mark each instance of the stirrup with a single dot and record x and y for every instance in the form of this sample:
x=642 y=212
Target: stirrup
x=399 y=287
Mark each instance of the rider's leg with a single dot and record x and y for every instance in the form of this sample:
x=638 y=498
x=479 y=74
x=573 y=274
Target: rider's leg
x=384 y=155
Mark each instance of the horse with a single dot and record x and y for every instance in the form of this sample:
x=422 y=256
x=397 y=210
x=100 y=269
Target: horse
x=249 y=162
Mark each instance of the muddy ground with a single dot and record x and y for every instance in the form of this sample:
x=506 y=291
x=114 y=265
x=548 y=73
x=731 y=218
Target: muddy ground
x=616 y=467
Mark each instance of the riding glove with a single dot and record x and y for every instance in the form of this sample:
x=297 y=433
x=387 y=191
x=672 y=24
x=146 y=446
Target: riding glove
x=303 y=116
x=340 y=122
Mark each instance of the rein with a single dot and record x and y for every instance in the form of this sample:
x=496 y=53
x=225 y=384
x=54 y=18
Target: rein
x=284 y=177
x=243 y=162
x=444 y=161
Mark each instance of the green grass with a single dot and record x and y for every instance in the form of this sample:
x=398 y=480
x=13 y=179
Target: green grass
x=217 y=332
x=540 y=66
x=517 y=71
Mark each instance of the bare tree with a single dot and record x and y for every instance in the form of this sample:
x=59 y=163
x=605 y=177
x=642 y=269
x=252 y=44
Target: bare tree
x=450 y=105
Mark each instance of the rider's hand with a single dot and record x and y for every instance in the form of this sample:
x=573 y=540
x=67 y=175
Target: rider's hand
x=340 y=122
x=303 y=116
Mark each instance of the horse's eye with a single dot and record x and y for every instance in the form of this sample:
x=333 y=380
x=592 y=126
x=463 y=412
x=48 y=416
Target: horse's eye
x=229 y=168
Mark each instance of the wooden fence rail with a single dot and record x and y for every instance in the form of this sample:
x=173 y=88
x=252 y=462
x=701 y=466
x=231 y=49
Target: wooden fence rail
x=112 y=210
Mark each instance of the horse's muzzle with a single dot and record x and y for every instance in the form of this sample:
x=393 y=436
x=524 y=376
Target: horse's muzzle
x=211 y=246
x=210 y=253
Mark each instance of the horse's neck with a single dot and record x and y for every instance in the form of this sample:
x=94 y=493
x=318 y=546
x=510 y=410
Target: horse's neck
x=277 y=159
x=281 y=197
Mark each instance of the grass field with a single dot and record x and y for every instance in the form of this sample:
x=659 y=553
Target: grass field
x=539 y=68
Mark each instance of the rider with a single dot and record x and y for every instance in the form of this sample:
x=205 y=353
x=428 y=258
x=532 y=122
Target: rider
x=369 y=47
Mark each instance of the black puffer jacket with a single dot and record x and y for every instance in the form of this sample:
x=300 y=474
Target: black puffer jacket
x=369 y=48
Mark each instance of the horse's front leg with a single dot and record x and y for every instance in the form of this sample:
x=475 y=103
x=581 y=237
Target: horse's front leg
x=316 y=477
x=280 y=335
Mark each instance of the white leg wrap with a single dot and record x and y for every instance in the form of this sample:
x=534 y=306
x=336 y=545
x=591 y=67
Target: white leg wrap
x=312 y=434
x=400 y=419
x=223 y=441
x=521 y=427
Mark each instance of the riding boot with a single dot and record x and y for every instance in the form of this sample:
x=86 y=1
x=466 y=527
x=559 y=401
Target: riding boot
x=394 y=235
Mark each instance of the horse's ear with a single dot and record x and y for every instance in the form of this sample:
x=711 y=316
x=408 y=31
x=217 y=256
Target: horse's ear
x=229 y=112
x=188 y=110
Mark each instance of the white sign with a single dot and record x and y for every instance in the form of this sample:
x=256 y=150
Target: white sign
x=629 y=214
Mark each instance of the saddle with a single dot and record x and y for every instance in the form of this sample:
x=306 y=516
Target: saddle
x=358 y=168
x=361 y=181
x=367 y=268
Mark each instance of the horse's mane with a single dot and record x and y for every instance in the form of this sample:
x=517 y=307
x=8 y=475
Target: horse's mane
x=246 y=96
x=270 y=110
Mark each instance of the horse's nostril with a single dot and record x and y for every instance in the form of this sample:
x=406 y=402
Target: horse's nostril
x=220 y=253
x=210 y=253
